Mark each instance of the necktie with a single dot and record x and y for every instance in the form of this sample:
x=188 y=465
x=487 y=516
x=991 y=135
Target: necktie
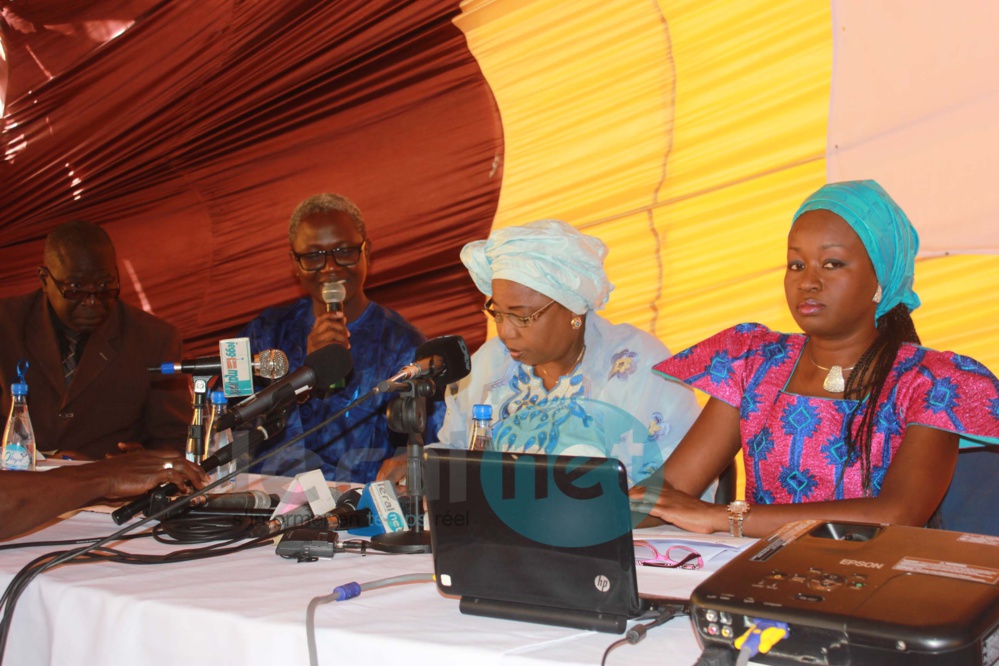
x=69 y=361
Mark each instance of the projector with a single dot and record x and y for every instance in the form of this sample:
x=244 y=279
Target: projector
x=859 y=593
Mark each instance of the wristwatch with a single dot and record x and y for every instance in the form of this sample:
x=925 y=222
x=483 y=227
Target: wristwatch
x=737 y=512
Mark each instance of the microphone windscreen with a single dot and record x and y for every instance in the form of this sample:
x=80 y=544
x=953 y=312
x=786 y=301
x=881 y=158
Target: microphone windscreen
x=454 y=351
x=330 y=365
x=349 y=499
x=272 y=364
x=334 y=292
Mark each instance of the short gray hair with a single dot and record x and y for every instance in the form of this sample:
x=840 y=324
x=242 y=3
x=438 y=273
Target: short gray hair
x=322 y=205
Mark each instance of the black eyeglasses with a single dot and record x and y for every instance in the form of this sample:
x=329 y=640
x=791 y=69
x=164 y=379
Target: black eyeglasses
x=516 y=320
x=342 y=256
x=74 y=292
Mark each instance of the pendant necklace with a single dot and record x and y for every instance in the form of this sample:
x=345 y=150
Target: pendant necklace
x=834 y=382
x=578 y=359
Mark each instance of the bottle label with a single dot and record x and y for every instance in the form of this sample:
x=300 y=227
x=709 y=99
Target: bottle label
x=16 y=457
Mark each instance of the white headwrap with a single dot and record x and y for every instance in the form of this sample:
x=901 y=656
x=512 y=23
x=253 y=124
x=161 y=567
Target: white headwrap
x=547 y=256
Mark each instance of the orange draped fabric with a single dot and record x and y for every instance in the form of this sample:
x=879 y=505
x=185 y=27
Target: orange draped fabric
x=192 y=134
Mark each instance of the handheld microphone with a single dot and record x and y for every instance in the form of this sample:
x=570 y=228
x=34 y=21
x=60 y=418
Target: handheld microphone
x=269 y=364
x=254 y=438
x=253 y=499
x=321 y=370
x=345 y=514
x=444 y=359
x=333 y=295
x=297 y=517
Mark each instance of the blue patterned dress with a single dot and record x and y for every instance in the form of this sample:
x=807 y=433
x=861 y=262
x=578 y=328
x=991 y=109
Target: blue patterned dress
x=794 y=445
x=353 y=447
x=610 y=405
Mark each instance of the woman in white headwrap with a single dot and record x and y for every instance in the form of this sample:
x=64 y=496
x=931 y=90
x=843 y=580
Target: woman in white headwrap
x=560 y=378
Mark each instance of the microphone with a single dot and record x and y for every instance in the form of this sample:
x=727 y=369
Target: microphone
x=445 y=358
x=269 y=364
x=321 y=370
x=345 y=515
x=334 y=294
x=297 y=517
x=253 y=499
x=254 y=438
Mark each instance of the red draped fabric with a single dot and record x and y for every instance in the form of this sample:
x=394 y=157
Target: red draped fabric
x=192 y=134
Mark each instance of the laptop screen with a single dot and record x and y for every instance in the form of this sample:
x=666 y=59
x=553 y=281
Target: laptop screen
x=533 y=537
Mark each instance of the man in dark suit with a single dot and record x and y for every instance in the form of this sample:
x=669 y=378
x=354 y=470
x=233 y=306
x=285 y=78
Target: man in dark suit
x=89 y=390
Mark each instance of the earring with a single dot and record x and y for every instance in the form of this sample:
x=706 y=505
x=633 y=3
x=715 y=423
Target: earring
x=576 y=322
x=877 y=295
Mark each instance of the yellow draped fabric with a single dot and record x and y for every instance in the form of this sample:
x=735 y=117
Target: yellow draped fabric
x=685 y=134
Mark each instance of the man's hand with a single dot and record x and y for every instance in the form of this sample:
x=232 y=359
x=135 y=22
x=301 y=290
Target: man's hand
x=135 y=473
x=126 y=447
x=393 y=469
x=330 y=328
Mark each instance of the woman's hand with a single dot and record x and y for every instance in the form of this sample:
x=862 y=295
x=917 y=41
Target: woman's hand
x=677 y=507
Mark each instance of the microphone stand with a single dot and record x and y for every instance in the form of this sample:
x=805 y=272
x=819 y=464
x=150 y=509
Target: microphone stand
x=196 y=448
x=407 y=413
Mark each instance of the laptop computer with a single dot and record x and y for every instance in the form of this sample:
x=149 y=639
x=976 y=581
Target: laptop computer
x=536 y=538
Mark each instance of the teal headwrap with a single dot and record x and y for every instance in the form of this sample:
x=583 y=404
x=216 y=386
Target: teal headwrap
x=885 y=230
x=548 y=256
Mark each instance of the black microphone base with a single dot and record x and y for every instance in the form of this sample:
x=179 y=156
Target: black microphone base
x=405 y=543
x=414 y=540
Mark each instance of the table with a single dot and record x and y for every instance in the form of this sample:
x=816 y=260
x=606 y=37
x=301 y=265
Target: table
x=249 y=608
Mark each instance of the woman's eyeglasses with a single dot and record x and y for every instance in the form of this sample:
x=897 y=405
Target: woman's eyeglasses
x=674 y=557
x=516 y=320
x=74 y=292
x=342 y=256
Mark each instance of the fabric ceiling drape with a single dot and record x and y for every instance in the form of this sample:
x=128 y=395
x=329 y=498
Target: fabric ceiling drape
x=193 y=134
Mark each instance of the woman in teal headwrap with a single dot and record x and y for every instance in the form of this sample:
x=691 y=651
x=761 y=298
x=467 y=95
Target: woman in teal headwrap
x=853 y=420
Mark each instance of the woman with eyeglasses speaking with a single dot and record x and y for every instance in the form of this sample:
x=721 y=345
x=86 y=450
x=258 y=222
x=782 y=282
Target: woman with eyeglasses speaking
x=560 y=378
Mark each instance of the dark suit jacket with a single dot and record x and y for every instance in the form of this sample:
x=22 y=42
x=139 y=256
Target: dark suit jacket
x=113 y=397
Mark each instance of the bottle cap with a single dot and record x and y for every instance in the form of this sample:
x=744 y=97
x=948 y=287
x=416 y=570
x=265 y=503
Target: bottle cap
x=20 y=387
x=218 y=398
x=482 y=412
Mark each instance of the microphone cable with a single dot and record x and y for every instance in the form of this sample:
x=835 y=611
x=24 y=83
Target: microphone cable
x=68 y=542
x=202 y=529
x=20 y=581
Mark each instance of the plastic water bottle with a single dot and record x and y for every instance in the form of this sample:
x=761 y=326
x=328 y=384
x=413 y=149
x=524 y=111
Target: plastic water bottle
x=18 y=435
x=215 y=439
x=482 y=428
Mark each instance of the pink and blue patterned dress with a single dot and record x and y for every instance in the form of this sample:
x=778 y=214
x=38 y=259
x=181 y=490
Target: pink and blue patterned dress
x=794 y=446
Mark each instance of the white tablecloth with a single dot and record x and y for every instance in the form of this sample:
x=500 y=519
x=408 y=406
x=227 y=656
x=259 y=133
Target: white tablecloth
x=249 y=608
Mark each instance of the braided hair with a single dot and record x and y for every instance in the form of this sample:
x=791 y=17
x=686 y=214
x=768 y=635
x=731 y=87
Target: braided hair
x=868 y=378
